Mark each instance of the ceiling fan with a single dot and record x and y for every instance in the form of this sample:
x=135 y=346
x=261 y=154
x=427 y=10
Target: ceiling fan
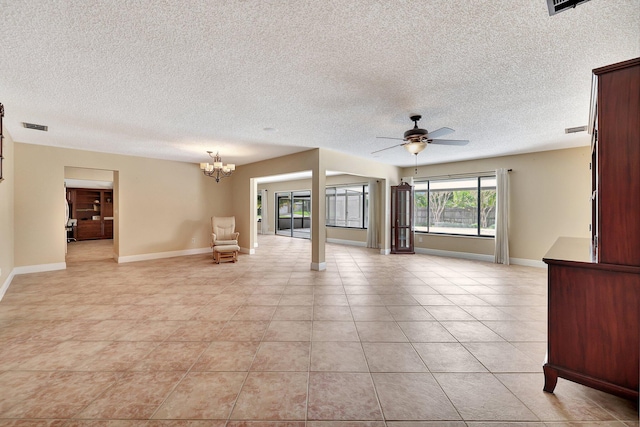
x=416 y=139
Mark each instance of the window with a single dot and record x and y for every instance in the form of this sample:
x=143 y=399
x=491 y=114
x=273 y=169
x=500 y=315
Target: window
x=259 y=207
x=347 y=206
x=464 y=206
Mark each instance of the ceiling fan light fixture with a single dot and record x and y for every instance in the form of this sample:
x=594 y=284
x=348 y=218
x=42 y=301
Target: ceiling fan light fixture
x=415 y=147
x=416 y=139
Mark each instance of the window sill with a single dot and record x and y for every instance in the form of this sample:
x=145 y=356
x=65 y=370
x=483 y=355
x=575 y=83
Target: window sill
x=344 y=226
x=469 y=236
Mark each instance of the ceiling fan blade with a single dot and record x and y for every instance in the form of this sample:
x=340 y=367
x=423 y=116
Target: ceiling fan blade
x=439 y=132
x=388 y=148
x=386 y=137
x=449 y=141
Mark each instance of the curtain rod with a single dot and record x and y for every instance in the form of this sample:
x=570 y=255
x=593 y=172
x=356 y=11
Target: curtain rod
x=463 y=175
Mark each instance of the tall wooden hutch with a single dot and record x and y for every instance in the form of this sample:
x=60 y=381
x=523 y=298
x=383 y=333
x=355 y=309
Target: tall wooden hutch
x=594 y=285
x=93 y=208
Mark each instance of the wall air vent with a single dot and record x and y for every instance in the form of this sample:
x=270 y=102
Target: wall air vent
x=576 y=129
x=557 y=6
x=35 y=126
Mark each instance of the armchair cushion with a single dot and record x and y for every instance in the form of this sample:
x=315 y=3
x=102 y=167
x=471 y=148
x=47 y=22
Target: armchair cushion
x=231 y=240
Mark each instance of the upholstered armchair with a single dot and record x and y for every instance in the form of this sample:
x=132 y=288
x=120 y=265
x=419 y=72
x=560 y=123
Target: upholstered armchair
x=224 y=238
x=223 y=231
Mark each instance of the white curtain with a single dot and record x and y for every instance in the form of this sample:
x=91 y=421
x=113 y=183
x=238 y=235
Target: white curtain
x=264 y=224
x=502 y=217
x=372 y=230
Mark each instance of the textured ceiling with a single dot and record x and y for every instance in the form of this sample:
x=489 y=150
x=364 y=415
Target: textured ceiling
x=176 y=78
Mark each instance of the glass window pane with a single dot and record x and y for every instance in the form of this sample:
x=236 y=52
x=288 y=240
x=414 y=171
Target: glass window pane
x=488 y=206
x=420 y=209
x=366 y=206
x=437 y=204
x=354 y=208
x=284 y=207
x=345 y=206
x=453 y=206
x=450 y=206
x=341 y=209
x=330 y=215
x=284 y=212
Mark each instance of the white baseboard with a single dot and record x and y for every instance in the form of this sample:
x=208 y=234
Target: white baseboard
x=26 y=269
x=159 y=255
x=348 y=242
x=318 y=266
x=480 y=257
x=528 y=262
x=453 y=254
x=172 y=254
x=384 y=251
x=5 y=285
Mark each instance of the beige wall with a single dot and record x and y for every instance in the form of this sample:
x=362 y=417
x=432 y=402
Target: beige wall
x=549 y=198
x=159 y=205
x=6 y=212
x=348 y=235
x=88 y=174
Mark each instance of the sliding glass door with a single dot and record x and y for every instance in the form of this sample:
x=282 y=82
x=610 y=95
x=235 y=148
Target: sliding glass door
x=294 y=214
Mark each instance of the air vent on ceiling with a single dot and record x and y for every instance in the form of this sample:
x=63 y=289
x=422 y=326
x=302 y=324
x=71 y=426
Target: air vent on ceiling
x=557 y=6
x=576 y=129
x=35 y=126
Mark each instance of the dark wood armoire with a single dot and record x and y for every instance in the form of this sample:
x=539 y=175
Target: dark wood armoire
x=594 y=284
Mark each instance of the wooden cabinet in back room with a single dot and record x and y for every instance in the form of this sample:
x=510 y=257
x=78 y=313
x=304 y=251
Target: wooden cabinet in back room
x=93 y=208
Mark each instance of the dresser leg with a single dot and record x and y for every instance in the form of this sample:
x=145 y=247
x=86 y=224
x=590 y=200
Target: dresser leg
x=550 y=378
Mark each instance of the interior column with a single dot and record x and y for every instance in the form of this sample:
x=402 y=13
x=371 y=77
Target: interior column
x=318 y=211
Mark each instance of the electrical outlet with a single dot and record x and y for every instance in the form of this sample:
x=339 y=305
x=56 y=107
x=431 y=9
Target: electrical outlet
x=419 y=239
x=193 y=240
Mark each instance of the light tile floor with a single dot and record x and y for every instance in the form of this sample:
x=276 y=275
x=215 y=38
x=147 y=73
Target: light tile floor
x=397 y=341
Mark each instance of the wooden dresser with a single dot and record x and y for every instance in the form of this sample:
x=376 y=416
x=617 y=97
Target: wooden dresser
x=594 y=284
x=593 y=320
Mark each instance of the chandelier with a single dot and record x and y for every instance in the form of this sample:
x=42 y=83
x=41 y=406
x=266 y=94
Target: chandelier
x=217 y=170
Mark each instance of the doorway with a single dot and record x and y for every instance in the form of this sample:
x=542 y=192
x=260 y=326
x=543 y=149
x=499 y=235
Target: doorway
x=293 y=214
x=90 y=201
